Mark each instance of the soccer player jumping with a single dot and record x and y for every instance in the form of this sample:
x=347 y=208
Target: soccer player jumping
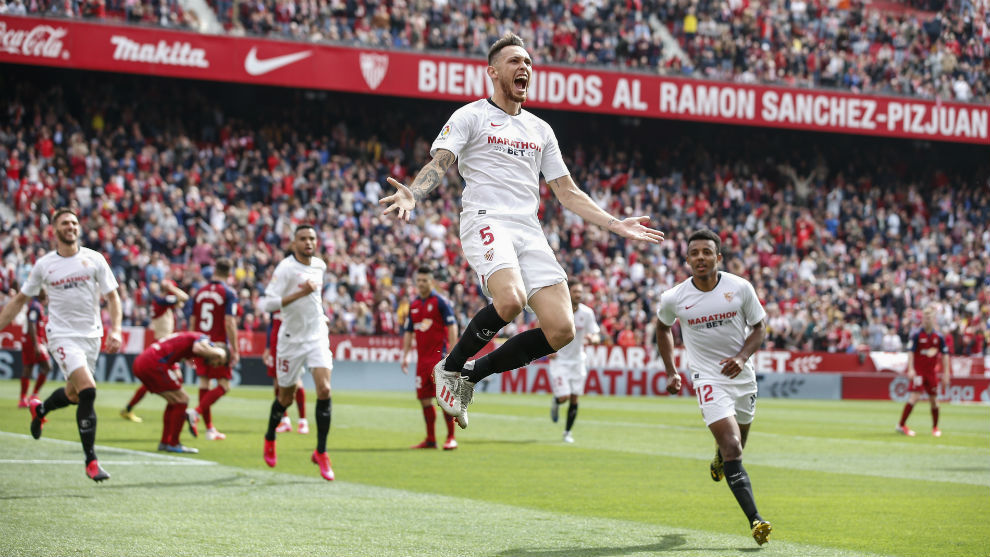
x=501 y=150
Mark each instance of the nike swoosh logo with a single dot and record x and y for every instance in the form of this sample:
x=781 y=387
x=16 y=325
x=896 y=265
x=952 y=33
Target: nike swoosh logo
x=253 y=66
x=689 y=307
x=494 y=125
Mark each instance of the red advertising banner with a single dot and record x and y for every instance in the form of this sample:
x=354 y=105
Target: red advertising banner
x=535 y=379
x=631 y=359
x=116 y=48
x=895 y=387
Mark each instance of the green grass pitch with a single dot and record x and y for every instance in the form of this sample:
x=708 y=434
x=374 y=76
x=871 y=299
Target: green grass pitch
x=832 y=477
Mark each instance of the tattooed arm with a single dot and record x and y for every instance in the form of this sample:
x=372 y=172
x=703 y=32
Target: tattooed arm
x=404 y=200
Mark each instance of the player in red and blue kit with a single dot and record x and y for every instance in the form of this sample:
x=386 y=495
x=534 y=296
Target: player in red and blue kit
x=924 y=348
x=157 y=370
x=432 y=323
x=164 y=297
x=214 y=314
x=33 y=352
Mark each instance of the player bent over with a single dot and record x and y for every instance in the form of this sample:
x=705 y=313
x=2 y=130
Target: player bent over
x=164 y=297
x=723 y=324
x=157 y=370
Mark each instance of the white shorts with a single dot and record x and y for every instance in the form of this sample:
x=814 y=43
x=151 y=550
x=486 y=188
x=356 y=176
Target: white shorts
x=567 y=377
x=293 y=361
x=494 y=242
x=719 y=401
x=72 y=353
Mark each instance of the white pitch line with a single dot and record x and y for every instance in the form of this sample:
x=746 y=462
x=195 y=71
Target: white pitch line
x=763 y=433
x=113 y=462
x=105 y=448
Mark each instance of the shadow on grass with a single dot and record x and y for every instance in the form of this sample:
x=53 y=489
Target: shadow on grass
x=506 y=441
x=333 y=450
x=964 y=469
x=40 y=496
x=170 y=485
x=669 y=543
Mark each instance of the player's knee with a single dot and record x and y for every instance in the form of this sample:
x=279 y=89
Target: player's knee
x=87 y=396
x=732 y=450
x=559 y=336
x=509 y=301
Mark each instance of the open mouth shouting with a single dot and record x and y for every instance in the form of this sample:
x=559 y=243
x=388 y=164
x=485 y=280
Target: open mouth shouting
x=520 y=84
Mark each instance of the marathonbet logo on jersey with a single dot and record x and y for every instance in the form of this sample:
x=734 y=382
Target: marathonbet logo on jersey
x=711 y=321
x=515 y=147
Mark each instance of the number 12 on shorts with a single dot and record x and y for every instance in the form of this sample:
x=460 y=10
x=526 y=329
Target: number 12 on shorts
x=705 y=394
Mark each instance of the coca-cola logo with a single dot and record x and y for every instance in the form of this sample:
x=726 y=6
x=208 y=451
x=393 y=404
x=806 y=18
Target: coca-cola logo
x=899 y=388
x=43 y=41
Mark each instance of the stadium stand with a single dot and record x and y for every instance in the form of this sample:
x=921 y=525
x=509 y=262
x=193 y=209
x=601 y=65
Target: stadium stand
x=841 y=236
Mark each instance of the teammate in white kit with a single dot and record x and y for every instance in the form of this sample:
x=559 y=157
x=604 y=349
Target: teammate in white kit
x=568 y=367
x=723 y=324
x=75 y=278
x=303 y=340
x=501 y=150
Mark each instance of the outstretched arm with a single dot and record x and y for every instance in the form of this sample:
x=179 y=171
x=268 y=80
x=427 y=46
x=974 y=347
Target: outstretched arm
x=404 y=200
x=571 y=197
x=12 y=308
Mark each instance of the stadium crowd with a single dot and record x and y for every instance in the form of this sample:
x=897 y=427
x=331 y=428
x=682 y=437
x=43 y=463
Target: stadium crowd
x=887 y=48
x=843 y=240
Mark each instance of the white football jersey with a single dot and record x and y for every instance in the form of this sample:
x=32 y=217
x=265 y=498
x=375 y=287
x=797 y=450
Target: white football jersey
x=714 y=324
x=74 y=285
x=303 y=320
x=584 y=324
x=500 y=157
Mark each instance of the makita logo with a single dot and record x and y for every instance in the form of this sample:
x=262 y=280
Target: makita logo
x=176 y=54
x=43 y=41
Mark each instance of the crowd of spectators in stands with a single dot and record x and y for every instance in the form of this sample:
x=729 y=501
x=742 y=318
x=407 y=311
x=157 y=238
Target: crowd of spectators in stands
x=166 y=13
x=844 y=240
x=882 y=47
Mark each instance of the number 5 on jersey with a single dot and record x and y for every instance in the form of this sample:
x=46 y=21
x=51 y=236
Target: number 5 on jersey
x=206 y=317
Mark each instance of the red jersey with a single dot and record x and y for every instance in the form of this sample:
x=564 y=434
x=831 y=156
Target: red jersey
x=429 y=318
x=927 y=347
x=161 y=304
x=211 y=305
x=271 y=341
x=171 y=349
x=36 y=319
x=273 y=332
